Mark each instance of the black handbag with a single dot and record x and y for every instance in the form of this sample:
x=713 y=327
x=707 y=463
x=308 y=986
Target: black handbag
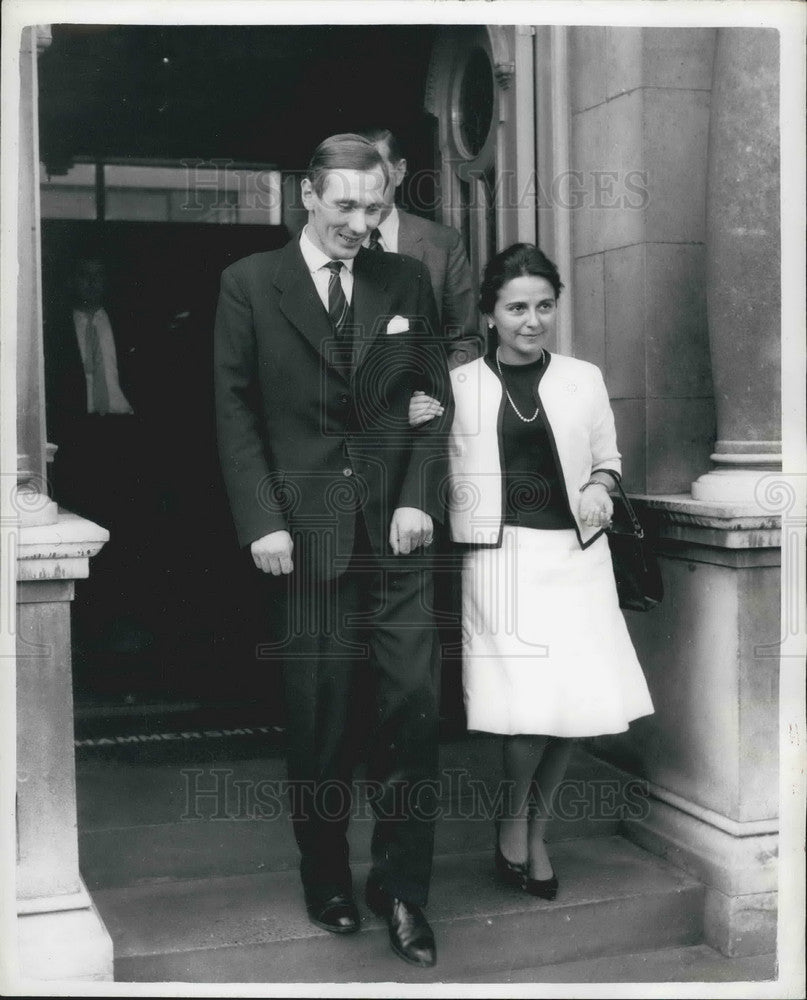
x=636 y=570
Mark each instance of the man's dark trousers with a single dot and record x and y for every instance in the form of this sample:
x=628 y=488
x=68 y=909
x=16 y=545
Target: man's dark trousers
x=370 y=626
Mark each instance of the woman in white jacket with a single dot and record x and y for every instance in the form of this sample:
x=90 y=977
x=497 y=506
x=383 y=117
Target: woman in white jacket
x=546 y=653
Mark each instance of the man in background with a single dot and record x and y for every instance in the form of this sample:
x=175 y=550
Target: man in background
x=439 y=247
x=81 y=356
x=98 y=470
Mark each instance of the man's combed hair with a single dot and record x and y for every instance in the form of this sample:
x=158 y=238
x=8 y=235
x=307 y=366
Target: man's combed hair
x=377 y=135
x=347 y=151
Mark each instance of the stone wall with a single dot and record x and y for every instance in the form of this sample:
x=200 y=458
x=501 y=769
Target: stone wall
x=640 y=122
x=693 y=112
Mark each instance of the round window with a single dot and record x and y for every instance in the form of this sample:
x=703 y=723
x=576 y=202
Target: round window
x=476 y=102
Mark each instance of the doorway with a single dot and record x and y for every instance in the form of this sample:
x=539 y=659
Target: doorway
x=462 y=102
x=187 y=613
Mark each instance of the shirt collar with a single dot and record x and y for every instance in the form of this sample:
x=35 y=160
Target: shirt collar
x=389 y=228
x=314 y=258
x=88 y=314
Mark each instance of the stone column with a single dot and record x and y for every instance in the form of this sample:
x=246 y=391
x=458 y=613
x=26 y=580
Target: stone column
x=711 y=650
x=61 y=935
x=743 y=264
x=32 y=505
x=711 y=654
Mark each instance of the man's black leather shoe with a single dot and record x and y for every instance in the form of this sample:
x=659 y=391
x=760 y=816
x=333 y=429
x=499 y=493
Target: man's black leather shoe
x=410 y=935
x=337 y=913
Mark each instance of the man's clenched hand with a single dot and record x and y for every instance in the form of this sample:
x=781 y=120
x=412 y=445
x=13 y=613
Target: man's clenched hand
x=272 y=553
x=410 y=528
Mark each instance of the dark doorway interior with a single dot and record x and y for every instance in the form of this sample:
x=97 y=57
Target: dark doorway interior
x=187 y=608
x=253 y=94
x=170 y=612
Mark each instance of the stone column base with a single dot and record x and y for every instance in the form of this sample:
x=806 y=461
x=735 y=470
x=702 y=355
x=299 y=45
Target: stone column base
x=741 y=925
x=60 y=933
x=66 y=944
x=736 y=485
x=738 y=867
x=709 y=753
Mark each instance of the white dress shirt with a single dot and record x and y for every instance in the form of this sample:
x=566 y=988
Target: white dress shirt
x=118 y=403
x=316 y=260
x=388 y=232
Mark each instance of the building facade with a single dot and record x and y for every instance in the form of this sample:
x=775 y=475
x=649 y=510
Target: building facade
x=645 y=161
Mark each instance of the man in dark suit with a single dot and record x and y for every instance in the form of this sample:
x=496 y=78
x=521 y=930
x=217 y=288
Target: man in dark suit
x=81 y=354
x=98 y=467
x=318 y=347
x=439 y=247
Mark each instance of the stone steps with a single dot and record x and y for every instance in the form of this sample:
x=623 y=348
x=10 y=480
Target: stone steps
x=137 y=824
x=207 y=890
x=696 y=963
x=614 y=898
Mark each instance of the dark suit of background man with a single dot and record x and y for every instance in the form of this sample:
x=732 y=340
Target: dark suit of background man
x=98 y=465
x=319 y=346
x=439 y=248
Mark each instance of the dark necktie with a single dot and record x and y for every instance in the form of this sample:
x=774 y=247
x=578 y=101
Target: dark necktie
x=337 y=303
x=375 y=241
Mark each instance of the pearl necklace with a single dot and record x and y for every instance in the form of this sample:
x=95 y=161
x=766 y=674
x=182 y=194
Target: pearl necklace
x=518 y=413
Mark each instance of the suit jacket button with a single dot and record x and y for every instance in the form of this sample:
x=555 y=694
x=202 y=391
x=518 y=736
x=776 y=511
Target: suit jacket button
x=347 y=472
x=343 y=397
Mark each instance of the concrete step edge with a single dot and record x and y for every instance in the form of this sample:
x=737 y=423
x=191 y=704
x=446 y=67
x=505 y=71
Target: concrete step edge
x=372 y=925
x=477 y=864
x=465 y=949
x=672 y=964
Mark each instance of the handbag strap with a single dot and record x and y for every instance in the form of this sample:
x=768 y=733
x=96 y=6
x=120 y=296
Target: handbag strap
x=638 y=530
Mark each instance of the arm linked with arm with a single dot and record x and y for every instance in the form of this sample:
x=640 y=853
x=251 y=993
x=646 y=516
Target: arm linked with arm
x=428 y=465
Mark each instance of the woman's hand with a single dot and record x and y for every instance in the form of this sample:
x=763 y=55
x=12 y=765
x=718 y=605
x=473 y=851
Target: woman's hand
x=423 y=408
x=596 y=506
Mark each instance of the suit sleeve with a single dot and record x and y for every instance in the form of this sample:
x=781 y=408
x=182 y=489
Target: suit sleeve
x=464 y=342
x=245 y=464
x=426 y=475
x=605 y=455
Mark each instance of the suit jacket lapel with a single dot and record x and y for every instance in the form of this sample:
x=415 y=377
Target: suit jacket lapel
x=370 y=301
x=299 y=301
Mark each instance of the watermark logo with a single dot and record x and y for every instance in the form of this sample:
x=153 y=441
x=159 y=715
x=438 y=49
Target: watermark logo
x=217 y=794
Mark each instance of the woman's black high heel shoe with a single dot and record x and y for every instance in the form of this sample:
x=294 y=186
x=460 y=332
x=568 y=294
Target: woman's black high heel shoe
x=509 y=872
x=544 y=888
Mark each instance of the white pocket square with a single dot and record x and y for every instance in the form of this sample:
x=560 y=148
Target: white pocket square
x=398 y=324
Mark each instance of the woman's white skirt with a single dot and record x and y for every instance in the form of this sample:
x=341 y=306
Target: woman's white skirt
x=545 y=646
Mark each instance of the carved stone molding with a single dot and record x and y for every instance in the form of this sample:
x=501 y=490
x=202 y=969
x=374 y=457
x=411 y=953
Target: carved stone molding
x=59 y=551
x=43 y=37
x=682 y=509
x=504 y=73
x=680 y=519
x=504 y=66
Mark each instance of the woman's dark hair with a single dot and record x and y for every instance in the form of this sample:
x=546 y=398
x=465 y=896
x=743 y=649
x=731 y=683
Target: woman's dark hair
x=516 y=261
